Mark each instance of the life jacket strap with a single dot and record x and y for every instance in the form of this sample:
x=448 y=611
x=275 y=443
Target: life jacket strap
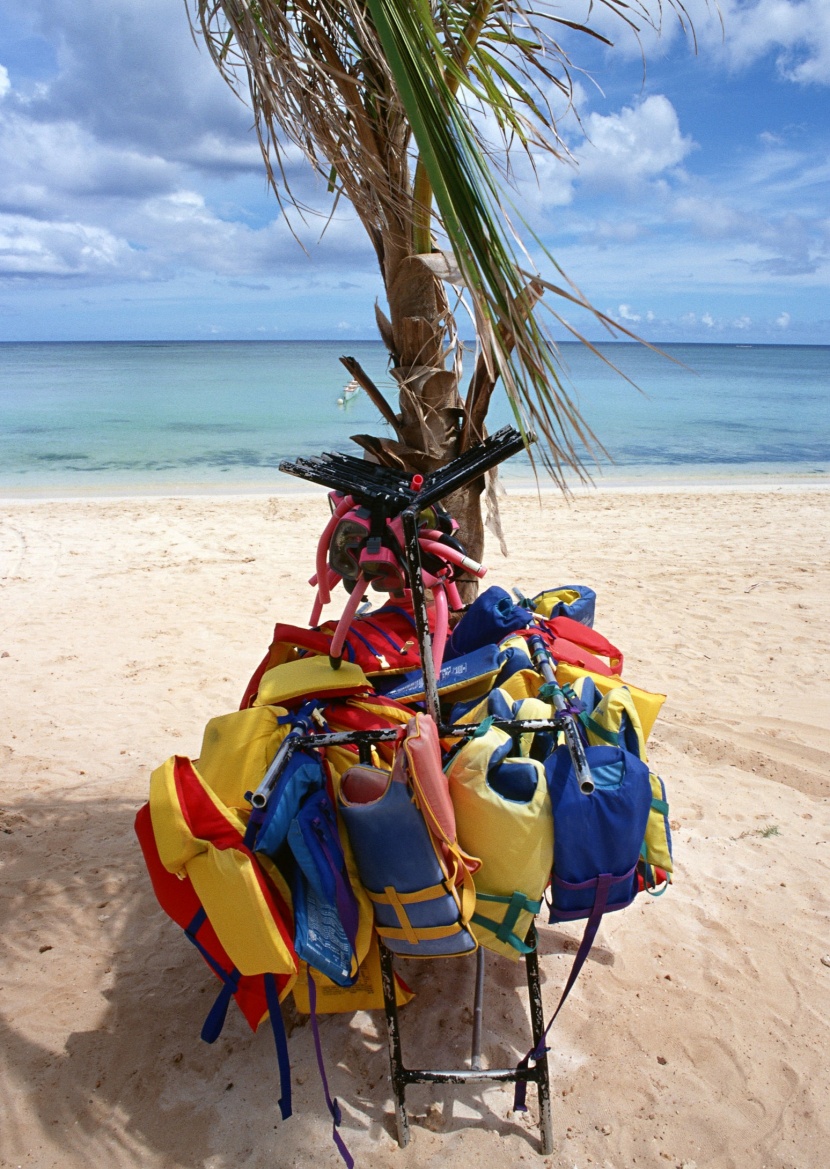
x=391 y=896
x=398 y=902
x=601 y=732
x=215 y=1021
x=331 y=1103
x=280 y=1042
x=516 y=903
x=604 y=883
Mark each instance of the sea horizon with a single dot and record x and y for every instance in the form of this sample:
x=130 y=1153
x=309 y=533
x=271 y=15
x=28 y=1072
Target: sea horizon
x=82 y=419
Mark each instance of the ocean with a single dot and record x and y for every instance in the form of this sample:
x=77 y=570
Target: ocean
x=141 y=418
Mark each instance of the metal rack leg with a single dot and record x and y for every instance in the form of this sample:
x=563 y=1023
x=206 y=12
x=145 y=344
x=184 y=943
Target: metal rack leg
x=537 y=1023
x=393 y=1036
x=478 y=1011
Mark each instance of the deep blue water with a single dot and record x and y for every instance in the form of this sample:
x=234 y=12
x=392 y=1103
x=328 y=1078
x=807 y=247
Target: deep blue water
x=115 y=417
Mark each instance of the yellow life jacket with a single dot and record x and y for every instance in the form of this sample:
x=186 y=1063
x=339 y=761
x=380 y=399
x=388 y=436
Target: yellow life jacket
x=526 y=683
x=237 y=749
x=512 y=837
x=614 y=721
x=245 y=898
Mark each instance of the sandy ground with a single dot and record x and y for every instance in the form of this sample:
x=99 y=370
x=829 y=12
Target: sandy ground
x=698 y=1033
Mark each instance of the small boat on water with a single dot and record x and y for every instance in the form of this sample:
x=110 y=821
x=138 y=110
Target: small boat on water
x=349 y=391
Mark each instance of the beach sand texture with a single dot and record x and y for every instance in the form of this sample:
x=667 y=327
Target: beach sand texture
x=698 y=1032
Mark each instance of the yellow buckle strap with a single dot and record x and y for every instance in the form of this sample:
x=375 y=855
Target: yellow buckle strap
x=397 y=901
x=424 y=934
x=390 y=895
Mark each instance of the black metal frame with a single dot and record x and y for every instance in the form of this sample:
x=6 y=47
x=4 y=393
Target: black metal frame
x=392 y=493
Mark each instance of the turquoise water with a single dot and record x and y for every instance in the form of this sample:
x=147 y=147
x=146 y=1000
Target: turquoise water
x=142 y=417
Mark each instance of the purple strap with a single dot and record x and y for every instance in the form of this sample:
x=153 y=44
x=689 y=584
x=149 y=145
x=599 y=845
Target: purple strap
x=331 y=1104
x=604 y=882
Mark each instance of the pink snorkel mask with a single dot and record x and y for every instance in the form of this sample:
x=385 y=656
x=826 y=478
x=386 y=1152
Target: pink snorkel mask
x=352 y=549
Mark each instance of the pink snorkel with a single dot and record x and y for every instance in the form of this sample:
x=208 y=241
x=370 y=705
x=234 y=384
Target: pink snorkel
x=444 y=552
x=325 y=579
x=352 y=605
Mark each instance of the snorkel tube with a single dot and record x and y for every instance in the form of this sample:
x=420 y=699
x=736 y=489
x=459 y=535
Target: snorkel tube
x=566 y=718
x=323 y=578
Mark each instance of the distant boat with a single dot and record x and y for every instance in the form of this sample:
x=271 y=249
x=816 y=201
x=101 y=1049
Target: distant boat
x=349 y=391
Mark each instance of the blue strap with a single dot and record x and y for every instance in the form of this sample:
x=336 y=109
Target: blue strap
x=280 y=1042
x=397 y=609
x=354 y=633
x=331 y=1104
x=255 y=821
x=215 y=1021
x=604 y=883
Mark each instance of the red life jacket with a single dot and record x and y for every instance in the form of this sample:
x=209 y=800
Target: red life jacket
x=577 y=644
x=384 y=641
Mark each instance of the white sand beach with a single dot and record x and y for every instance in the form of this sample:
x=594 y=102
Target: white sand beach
x=698 y=1033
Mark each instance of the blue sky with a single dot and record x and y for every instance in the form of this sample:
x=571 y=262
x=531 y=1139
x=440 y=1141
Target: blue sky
x=133 y=203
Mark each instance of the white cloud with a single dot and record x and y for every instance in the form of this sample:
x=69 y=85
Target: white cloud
x=30 y=247
x=639 y=143
x=743 y=322
x=5 y=84
x=708 y=320
x=797 y=32
x=626 y=313
x=712 y=217
x=783 y=320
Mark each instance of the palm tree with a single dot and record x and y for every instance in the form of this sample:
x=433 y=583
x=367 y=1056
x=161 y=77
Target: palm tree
x=413 y=110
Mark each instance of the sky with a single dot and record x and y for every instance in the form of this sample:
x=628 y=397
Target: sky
x=133 y=201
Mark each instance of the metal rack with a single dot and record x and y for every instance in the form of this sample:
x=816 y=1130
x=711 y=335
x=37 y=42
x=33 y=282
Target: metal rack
x=388 y=494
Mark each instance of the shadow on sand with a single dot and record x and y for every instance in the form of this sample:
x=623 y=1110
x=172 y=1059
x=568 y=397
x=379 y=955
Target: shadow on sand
x=106 y=1063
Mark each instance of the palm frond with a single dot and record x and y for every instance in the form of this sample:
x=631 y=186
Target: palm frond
x=351 y=83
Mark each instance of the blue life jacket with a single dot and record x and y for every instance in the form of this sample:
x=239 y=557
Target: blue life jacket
x=598 y=834
x=492 y=616
x=418 y=912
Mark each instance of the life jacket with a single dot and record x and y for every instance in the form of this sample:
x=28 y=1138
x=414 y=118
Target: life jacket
x=613 y=718
x=247 y=902
x=403 y=837
x=462 y=678
x=296 y=682
x=526 y=683
x=179 y=900
x=576 y=644
x=503 y=811
x=235 y=911
x=599 y=834
x=237 y=749
x=325 y=907
x=383 y=641
x=492 y=617
x=575 y=601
